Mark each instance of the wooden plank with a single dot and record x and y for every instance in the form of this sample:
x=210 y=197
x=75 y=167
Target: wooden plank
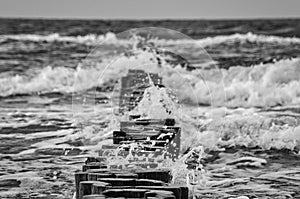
x=96 y=176
x=175 y=190
x=93 y=165
x=119 y=181
x=99 y=187
x=126 y=193
x=79 y=177
x=148 y=182
x=94 y=196
x=159 y=194
x=126 y=175
x=85 y=188
x=155 y=174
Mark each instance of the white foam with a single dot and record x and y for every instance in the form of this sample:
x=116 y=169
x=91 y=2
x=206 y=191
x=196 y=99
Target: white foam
x=48 y=79
x=156 y=103
x=262 y=85
x=93 y=39
x=248 y=131
x=250 y=37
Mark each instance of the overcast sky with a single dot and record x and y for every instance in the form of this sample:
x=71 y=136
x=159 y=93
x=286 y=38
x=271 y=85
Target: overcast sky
x=150 y=9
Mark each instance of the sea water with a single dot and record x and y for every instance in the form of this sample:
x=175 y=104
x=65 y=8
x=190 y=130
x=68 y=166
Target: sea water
x=242 y=115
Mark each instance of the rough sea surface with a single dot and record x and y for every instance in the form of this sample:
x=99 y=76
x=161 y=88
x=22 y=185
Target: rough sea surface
x=241 y=104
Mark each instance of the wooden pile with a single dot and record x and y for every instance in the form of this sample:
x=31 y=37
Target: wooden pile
x=157 y=136
x=144 y=140
x=96 y=181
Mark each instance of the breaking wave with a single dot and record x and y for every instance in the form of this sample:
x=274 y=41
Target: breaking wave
x=263 y=85
x=250 y=131
x=250 y=37
x=48 y=79
x=93 y=39
x=55 y=37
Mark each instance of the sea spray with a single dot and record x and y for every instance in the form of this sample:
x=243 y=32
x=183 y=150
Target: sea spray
x=181 y=173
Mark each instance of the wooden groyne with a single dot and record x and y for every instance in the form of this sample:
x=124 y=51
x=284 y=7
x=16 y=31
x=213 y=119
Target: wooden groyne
x=144 y=140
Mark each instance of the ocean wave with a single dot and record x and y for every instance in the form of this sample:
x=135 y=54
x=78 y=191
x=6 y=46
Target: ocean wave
x=109 y=37
x=249 y=37
x=250 y=131
x=91 y=39
x=49 y=79
x=244 y=128
x=263 y=85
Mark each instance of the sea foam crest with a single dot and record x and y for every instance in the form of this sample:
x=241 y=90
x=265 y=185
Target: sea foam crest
x=263 y=85
x=94 y=39
x=250 y=37
x=249 y=131
x=91 y=39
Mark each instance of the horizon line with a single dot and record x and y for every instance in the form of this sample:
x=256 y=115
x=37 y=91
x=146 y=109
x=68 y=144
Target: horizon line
x=148 y=19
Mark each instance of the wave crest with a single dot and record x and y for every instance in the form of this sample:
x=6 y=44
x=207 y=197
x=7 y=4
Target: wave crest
x=263 y=85
x=93 y=39
x=251 y=131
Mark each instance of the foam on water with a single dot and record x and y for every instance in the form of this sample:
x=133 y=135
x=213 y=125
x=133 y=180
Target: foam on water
x=263 y=85
x=250 y=131
x=215 y=127
x=48 y=79
x=93 y=39
x=260 y=85
x=90 y=39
